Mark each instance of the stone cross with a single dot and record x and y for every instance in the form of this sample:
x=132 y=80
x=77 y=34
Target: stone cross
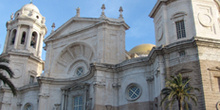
x=103 y=11
x=53 y=26
x=121 y=10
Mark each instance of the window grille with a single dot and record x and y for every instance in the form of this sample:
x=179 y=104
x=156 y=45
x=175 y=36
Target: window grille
x=180 y=29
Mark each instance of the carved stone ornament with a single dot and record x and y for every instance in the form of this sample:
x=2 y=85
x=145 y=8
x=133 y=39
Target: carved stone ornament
x=44 y=95
x=205 y=19
x=150 y=78
x=99 y=84
x=116 y=85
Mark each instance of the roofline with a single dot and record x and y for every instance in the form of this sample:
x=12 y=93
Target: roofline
x=66 y=23
x=156 y=8
x=98 y=20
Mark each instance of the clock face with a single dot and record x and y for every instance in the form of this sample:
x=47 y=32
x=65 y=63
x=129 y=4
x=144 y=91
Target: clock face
x=159 y=33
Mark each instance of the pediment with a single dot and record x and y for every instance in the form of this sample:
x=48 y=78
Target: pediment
x=183 y=70
x=74 y=25
x=75 y=86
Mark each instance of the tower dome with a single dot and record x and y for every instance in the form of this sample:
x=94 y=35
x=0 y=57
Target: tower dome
x=30 y=7
x=141 y=50
x=26 y=30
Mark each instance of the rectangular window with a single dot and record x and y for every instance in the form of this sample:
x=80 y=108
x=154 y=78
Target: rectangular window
x=180 y=29
x=78 y=103
x=31 y=80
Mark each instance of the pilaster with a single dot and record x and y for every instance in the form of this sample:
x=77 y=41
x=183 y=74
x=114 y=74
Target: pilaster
x=17 y=36
x=6 y=40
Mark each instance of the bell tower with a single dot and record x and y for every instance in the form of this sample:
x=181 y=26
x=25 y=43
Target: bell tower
x=179 y=20
x=23 y=45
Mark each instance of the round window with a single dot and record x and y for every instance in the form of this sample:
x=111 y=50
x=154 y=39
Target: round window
x=79 y=71
x=133 y=92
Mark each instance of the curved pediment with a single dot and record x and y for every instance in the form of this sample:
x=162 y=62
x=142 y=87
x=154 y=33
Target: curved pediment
x=183 y=70
x=74 y=60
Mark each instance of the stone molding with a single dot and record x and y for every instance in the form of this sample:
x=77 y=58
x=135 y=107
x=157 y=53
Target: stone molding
x=150 y=78
x=75 y=86
x=30 y=87
x=26 y=54
x=44 y=95
x=116 y=85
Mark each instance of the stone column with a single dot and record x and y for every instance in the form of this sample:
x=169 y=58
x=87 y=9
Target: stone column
x=7 y=40
x=17 y=36
x=29 y=37
x=39 y=52
x=37 y=43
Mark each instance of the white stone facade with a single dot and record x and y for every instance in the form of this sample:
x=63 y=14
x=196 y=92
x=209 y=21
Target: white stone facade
x=88 y=68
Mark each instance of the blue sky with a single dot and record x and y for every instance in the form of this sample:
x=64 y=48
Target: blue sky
x=135 y=14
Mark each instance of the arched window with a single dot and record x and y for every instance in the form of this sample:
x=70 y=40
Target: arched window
x=23 y=37
x=28 y=106
x=33 y=40
x=13 y=37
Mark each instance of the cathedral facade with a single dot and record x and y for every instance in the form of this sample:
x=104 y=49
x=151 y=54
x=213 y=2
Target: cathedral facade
x=88 y=68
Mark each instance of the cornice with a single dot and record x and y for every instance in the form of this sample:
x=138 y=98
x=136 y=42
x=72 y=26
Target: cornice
x=30 y=87
x=29 y=55
x=158 y=5
x=67 y=81
x=207 y=42
x=31 y=21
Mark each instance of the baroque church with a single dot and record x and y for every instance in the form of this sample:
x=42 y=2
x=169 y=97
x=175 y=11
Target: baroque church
x=88 y=68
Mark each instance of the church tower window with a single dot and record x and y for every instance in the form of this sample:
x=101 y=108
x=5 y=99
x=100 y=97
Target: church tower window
x=33 y=40
x=23 y=37
x=13 y=37
x=180 y=29
x=78 y=103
